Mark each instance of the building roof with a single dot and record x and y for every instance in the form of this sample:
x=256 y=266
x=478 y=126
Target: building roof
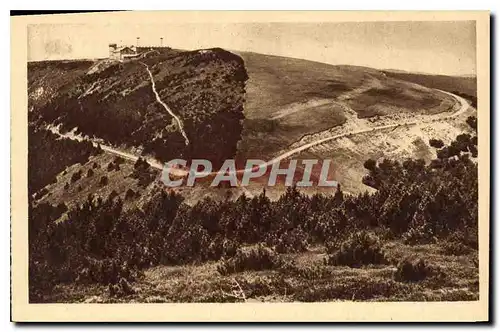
x=124 y=48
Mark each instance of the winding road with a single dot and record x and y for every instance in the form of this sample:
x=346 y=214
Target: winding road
x=464 y=105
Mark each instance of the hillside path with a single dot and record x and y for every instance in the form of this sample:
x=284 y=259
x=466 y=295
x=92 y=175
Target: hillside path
x=169 y=110
x=464 y=105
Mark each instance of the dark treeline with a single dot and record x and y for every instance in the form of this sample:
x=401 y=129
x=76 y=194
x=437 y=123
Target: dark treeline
x=49 y=155
x=101 y=243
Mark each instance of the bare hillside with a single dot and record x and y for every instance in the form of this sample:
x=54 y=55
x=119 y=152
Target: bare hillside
x=460 y=84
x=289 y=98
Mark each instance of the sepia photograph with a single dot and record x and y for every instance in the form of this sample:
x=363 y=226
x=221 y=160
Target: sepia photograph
x=272 y=158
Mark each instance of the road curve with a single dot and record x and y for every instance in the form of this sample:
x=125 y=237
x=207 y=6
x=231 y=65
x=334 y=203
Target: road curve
x=464 y=105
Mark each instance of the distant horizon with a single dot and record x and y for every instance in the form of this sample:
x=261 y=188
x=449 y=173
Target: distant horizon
x=238 y=51
x=433 y=47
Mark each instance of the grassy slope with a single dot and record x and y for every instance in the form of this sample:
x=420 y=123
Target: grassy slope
x=119 y=180
x=202 y=282
x=462 y=84
x=47 y=79
x=278 y=86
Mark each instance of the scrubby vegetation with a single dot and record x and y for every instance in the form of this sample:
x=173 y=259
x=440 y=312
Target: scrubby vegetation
x=253 y=259
x=359 y=249
x=436 y=143
x=49 y=155
x=417 y=203
x=206 y=90
x=142 y=172
x=103 y=181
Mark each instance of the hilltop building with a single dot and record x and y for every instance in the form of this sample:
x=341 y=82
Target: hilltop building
x=125 y=52
x=121 y=52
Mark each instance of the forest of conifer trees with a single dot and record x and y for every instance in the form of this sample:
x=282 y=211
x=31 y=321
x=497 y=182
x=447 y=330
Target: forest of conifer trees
x=415 y=202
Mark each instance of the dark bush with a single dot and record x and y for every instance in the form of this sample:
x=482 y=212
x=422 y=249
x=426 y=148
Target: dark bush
x=291 y=241
x=360 y=248
x=144 y=177
x=250 y=259
x=141 y=165
x=61 y=207
x=130 y=194
x=461 y=242
x=472 y=122
x=473 y=151
x=142 y=173
x=436 y=143
x=103 y=181
x=118 y=160
x=436 y=163
x=112 y=195
x=412 y=269
x=105 y=271
x=370 y=164
x=444 y=153
x=76 y=176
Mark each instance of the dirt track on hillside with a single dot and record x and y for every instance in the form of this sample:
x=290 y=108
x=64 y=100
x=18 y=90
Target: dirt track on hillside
x=168 y=109
x=354 y=126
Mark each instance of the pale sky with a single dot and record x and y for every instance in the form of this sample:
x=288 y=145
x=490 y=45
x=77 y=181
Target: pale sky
x=430 y=47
